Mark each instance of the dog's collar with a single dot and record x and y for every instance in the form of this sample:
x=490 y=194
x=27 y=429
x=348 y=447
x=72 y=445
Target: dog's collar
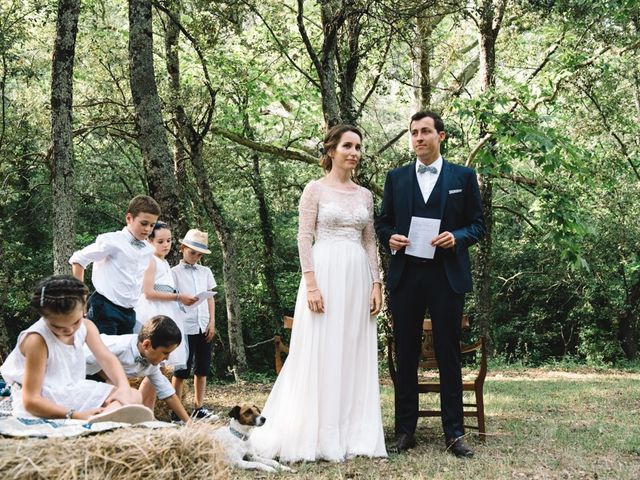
x=242 y=436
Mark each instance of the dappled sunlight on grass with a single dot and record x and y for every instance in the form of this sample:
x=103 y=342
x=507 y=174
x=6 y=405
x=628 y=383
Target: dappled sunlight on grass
x=541 y=425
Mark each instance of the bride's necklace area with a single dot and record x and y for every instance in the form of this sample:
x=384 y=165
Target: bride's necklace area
x=345 y=185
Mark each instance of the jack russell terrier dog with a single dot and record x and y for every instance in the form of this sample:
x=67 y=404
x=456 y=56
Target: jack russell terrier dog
x=235 y=440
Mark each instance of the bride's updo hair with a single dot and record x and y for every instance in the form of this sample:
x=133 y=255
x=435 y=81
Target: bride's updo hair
x=331 y=141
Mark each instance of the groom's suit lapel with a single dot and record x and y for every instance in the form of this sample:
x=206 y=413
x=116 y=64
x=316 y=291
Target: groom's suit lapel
x=444 y=185
x=407 y=181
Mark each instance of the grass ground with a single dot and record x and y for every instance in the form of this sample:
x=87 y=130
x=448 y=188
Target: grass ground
x=541 y=425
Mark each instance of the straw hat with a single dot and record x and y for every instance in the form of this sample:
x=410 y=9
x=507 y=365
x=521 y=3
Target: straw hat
x=196 y=240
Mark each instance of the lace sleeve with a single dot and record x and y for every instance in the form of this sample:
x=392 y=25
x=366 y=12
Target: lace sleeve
x=369 y=240
x=307 y=216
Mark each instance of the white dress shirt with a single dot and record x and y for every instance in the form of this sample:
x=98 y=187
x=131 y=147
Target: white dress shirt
x=428 y=180
x=118 y=266
x=192 y=281
x=125 y=347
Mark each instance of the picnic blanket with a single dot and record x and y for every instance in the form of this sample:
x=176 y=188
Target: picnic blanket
x=45 y=428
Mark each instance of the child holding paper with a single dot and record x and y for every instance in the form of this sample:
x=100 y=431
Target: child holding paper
x=192 y=278
x=160 y=296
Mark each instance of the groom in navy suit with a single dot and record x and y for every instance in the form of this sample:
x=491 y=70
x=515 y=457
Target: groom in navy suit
x=429 y=188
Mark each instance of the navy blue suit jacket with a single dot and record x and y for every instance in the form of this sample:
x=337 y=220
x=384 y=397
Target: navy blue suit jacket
x=460 y=213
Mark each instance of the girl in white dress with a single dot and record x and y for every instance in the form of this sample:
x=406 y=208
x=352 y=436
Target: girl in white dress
x=160 y=296
x=46 y=369
x=325 y=403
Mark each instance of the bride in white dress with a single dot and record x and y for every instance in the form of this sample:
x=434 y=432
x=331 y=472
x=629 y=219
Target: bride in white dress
x=325 y=404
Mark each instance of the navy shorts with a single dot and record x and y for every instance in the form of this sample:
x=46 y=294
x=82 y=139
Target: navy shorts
x=199 y=356
x=110 y=318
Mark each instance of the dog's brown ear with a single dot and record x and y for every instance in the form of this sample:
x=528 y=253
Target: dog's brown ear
x=235 y=412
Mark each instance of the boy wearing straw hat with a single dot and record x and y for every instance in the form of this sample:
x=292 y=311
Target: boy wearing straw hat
x=199 y=322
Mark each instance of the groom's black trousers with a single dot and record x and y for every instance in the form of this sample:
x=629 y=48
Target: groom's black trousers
x=424 y=287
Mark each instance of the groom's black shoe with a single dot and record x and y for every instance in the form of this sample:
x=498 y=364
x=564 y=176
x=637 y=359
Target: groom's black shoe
x=404 y=442
x=458 y=448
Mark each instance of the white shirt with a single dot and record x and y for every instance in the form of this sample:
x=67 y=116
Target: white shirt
x=125 y=347
x=428 y=180
x=192 y=281
x=119 y=266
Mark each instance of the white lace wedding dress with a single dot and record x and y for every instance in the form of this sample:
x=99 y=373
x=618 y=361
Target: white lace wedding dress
x=325 y=403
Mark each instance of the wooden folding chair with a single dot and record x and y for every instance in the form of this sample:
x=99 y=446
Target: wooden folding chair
x=428 y=361
x=280 y=346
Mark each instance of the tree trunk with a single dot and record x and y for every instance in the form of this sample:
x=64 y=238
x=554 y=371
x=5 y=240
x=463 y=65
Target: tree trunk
x=332 y=18
x=489 y=26
x=327 y=75
x=151 y=133
x=266 y=229
x=6 y=343
x=172 y=37
x=426 y=23
x=484 y=261
x=189 y=142
x=229 y=266
x=487 y=42
x=64 y=213
x=628 y=323
x=349 y=70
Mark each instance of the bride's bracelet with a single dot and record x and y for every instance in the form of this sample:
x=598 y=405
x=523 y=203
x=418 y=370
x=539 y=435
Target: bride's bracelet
x=312 y=290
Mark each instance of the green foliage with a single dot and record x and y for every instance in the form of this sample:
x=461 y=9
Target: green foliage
x=563 y=154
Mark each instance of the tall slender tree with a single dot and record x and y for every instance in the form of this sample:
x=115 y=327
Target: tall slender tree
x=176 y=109
x=266 y=228
x=489 y=20
x=62 y=165
x=152 y=138
x=426 y=23
x=191 y=139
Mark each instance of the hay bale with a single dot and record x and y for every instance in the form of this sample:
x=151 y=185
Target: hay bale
x=128 y=453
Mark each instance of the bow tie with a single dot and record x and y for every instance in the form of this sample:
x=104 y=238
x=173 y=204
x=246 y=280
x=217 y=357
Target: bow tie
x=189 y=266
x=427 y=168
x=137 y=243
x=142 y=361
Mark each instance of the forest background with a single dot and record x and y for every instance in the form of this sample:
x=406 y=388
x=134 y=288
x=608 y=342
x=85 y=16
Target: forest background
x=217 y=110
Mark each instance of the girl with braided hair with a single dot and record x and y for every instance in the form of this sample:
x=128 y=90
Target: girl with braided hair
x=46 y=369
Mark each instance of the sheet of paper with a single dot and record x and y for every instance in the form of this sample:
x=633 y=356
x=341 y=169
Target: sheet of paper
x=202 y=296
x=421 y=232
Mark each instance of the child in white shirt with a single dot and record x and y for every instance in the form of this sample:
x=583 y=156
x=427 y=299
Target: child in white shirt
x=140 y=355
x=120 y=260
x=199 y=323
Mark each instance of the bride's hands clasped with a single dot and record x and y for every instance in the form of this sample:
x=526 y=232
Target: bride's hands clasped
x=375 y=302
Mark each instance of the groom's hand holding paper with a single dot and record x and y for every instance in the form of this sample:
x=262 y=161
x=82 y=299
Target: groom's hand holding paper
x=444 y=240
x=421 y=232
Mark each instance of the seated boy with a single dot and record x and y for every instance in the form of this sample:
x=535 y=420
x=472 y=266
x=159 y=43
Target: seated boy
x=140 y=356
x=119 y=262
